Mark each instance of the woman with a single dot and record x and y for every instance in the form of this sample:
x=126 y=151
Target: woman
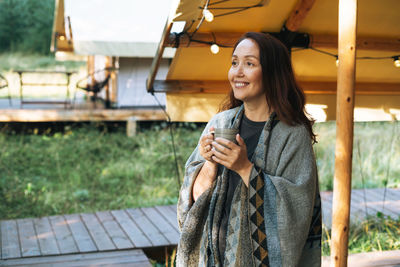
x=254 y=203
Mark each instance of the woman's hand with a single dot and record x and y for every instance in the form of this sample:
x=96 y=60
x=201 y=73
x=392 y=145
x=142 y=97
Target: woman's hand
x=208 y=172
x=205 y=147
x=233 y=156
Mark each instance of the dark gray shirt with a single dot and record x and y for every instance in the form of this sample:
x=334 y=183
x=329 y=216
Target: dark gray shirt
x=250 y=131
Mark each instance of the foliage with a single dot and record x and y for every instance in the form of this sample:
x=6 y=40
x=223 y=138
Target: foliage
x=87 y=169
x=376 y=154
x=18 y=60
x=26 y=26
x=375 y=234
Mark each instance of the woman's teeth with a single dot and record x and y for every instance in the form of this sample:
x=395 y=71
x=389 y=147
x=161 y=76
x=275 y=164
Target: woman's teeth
x=241 y=84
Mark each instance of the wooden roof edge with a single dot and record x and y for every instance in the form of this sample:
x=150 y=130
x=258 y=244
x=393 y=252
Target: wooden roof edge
x=309 y=87
x=228 y=39
x=157 y=59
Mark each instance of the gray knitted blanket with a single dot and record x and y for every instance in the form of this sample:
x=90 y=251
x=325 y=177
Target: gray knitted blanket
x=276 y=221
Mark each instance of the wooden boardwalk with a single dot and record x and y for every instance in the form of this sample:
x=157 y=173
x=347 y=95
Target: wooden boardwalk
x=80 y=234
x=363 y=202
x=116 y=238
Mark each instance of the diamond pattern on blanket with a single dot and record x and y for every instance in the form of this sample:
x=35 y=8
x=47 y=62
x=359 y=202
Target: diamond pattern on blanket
x=257 y=226
x=232 y=241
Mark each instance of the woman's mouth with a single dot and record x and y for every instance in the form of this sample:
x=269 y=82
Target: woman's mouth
x=241 y=84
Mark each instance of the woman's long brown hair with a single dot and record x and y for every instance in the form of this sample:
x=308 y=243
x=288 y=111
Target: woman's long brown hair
x=283 y=93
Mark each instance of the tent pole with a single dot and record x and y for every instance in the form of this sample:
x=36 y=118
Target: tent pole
x=344 y=131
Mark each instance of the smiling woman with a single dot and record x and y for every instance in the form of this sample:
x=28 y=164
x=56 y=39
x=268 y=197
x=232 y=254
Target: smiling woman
x=255 y=202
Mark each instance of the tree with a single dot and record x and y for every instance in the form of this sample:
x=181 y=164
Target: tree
x=26 y=25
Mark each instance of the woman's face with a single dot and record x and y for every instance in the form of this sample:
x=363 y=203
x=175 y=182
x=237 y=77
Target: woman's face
x=245 y=74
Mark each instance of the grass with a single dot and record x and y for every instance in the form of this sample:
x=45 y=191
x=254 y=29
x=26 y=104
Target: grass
x=374 y=234
x=87 y=169
x=376 y=154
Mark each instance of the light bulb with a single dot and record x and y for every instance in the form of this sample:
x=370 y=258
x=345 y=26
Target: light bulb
x=62 y=38
x=214 y=48
x=396 y=62
x=337 y=61
x=208 y=15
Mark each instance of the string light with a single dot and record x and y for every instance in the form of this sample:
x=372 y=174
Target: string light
x=208 y=15
x=337 y=61
x=214 y=48
x=396 y=61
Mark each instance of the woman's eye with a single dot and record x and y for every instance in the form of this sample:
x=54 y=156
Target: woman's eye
x=250 y=64
x=234 y=63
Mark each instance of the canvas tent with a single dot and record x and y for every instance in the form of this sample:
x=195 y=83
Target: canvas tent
x=122 y=33
x=196 y=80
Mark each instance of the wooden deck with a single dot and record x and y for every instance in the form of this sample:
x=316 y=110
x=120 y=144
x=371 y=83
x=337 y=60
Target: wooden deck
x=370 y=259
x=53 y=115
x=363 y=202
x=97 y=238
x=95 y=233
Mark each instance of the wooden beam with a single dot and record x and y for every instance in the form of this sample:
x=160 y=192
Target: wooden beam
x=157 y=59
x=45 y=115
x=309 y=87
x=298 y=14
x=317 y=41
x=344 y=132
x=363 y=42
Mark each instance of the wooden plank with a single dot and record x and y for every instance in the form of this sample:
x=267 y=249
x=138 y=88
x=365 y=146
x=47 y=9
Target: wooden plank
x=298 y=15
x=66 y=242
x=228 y=39
x=46 y=236
x=43 y=115
x=114 y=230
x=309 y=87
x=10 y=247
x=375 y=202
x=391 y=193
x=147 y=227
x=163 y=226
x=159 y=53
x=137 y=237
x=79 y=232
x=326 y=198
x=28 y=238
x=170 y=215
x=114 y=258
x=374 y=43
x=370 y=259
x=97 y=232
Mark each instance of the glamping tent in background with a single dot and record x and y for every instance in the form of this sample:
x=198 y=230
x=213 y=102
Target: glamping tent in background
x=197 y=78
x=120 y=35
x=324 y=37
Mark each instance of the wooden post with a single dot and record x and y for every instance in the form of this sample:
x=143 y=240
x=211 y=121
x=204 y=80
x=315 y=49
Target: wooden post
x=90 y=70
x=114 y=81
x=107 y=87
x=344 y=132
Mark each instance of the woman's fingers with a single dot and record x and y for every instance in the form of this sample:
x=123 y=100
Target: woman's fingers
x=225 y=142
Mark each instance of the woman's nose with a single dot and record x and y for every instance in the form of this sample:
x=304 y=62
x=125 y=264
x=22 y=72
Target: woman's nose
x=239 y=70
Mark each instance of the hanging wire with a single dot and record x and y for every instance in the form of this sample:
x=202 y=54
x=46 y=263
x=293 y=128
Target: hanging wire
x=362 y=177
x=389 y=163
x=172 y=140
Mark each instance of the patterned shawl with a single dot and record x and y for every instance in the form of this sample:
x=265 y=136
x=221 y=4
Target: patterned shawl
x=276 y=221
